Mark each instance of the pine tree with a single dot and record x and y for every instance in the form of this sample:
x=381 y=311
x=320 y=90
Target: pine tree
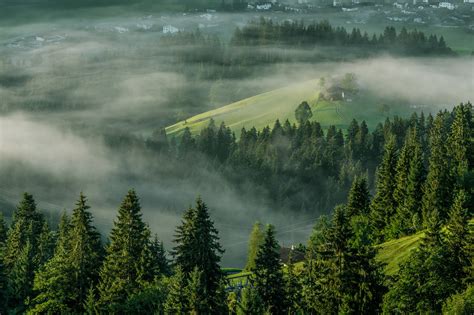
x=358 y=201
x=86 y=252
x=177 y=299
x=20 y=279
x=317 y=280
x=293 y=287
x=24 y=251
x=410 y=212
x=409 y=179
x=426 y=279
x=438 y=186
x=195 y=293
x=54 y=287
x=198 y=246
x=251 y=302
x=3 y=230
x=119 y=275
x=383 y=204
x=3 y=284
x=89 y=305
x=460 y=146
x=255 y=241
x=160 y=262
x=457 y=240
x=63 y=283
x=268 y=278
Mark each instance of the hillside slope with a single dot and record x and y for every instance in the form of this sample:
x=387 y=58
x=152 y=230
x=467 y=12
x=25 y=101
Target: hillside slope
x=264 y=109
x=392 y=253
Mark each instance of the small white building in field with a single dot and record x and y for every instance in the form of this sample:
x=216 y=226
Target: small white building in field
x=169 y=29
x=264 y=6
x=446 y=5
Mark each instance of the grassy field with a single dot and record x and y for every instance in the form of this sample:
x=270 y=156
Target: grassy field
x=264 y=109
x=394 y=252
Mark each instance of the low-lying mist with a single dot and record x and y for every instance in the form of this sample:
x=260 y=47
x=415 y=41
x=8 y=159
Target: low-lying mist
x=64 y=86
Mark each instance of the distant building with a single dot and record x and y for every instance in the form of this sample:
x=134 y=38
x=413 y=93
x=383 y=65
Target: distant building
x=447 y=5
x=169 y=29
x=264 y=6
x=297 y=255
x=468 y=1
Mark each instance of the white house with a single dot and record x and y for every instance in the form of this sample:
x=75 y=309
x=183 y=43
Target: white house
x=264 y=6
x=446 y=5
x=169 y=29
x=468 y=1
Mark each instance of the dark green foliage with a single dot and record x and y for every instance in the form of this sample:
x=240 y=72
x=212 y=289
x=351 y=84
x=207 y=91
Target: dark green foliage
x=458 y=240
x=410 y=176
x=3 y=285
x=439 y=182
x=461 y=303
x=197 y=246
x=26 y=250
x=435 y=270
x=383 y=205
x=293 y=287
x=3 y=230
x=460 y=145
x=161 y=265
x=359 y=198
x=122 y=269
x=266 y=32
x=63 y=283
x=268 y=280
x=256 y=239
x=341 y=274
x=177 y=301
x=303 y=113
x=251 y=302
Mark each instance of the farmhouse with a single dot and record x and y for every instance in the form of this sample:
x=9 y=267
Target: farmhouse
x=169 y=29
x=447 y=5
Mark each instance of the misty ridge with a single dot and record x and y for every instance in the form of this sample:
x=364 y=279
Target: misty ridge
x=74 y=91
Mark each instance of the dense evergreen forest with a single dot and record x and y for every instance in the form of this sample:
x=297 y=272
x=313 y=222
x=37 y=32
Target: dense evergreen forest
x=266 y=32
x=423 y=182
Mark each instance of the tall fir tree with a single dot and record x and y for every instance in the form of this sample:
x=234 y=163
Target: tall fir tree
x=3 y=230
x=438 y=186
x=255 y=241
x=24 y=251
x=197 y=246
x=358 y=201
x=267 y=278
x=425 y=280
x=460 y=143
x=293 y=286
x=177 y=301
x=121 y=271
x=383 y=204
x=408 y=217
x=85 y=254
x=458 y=240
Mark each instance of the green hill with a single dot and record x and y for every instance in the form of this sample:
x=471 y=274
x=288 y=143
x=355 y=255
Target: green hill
x=264 y=109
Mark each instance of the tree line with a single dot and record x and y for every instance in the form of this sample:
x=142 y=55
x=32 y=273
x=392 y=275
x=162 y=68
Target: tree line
x=266 y=32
